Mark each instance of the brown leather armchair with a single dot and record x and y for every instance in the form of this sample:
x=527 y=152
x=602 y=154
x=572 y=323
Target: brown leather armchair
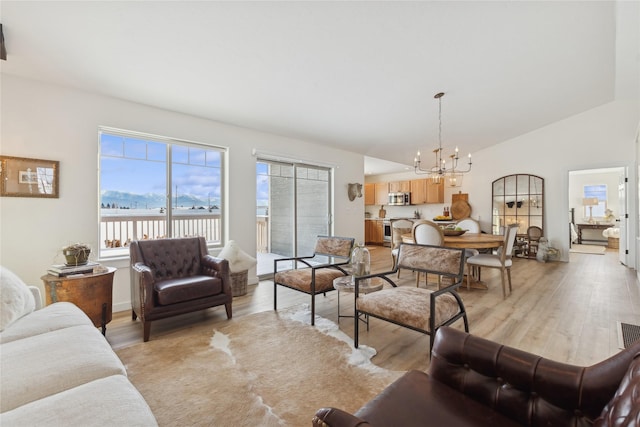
x=476 y=382
x=176 y=276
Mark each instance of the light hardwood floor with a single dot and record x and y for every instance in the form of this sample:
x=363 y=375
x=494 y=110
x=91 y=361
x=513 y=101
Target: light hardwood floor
x=564 y=311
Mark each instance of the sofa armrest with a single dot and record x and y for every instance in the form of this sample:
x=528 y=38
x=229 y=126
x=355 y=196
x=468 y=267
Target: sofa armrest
x=142 y=281
x=328 y=417
x=218 y=267
x=512 y=381
x=35 y=291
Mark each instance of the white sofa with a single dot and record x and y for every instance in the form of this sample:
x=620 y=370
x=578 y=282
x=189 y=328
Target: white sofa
x=56 y=368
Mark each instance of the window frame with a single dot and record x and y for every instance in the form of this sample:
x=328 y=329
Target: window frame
x=169 y=143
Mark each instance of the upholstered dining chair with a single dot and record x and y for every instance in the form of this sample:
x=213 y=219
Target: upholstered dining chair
x=501 y=260
x=314 y=274
x=418 y=309
x=427 y=233
x=472 y=226
x=398 y=228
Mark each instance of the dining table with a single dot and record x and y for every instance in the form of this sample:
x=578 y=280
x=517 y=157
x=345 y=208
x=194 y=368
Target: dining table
x=467 y=240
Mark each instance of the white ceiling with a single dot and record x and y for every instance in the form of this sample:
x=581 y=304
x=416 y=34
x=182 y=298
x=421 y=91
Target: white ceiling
x=356 y=75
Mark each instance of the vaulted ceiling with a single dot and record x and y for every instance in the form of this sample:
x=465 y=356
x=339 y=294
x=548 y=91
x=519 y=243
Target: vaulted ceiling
x=357 y=75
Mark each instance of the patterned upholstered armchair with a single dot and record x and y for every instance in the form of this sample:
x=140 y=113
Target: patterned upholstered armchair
x=314 y=274
x=418 y=309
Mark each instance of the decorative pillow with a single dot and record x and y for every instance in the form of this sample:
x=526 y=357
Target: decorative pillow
x=16 y=300
x=238 y=259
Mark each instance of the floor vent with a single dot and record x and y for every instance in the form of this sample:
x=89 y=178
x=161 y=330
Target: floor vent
x=627 y=334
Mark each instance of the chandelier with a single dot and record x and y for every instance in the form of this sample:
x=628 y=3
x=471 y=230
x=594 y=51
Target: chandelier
x=439 y=171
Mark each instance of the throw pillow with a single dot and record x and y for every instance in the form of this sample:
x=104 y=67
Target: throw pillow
x=16 y=300
x=238 y=259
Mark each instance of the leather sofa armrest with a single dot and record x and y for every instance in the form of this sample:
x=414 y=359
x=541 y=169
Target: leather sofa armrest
x=142 y=281
x=498 y=376
x=217 y=267
x=334 y=417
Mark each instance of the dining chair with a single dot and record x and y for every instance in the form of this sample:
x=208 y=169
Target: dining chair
x=427 y=233
x=398 y=228
x=501 y=260
x=534 y=234
x=472 y=226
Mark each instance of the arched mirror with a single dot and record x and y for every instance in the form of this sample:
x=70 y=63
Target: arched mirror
x=519 y=199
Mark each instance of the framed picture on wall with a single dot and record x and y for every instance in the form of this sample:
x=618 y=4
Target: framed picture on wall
x=25 y=177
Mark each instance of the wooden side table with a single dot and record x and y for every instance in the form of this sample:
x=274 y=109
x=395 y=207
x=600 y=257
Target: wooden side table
x=590 y=227
x=92 y=292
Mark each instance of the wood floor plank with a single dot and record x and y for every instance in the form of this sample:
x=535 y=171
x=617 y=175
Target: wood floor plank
x=566 y=311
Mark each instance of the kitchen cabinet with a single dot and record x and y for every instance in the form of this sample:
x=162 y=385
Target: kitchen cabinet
x=425 y=191
x=369 y=194
x=382 y=193
x=418 y=191
x=400 y=187
x=373 y=232
x=435 y=191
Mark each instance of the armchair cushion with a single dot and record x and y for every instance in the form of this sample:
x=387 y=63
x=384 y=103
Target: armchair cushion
x=301 y=279
x=409 y=306
x=172 y=291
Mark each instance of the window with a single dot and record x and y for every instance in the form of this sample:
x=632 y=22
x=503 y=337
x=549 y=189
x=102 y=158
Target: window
x=599 y=192
x=153 y=187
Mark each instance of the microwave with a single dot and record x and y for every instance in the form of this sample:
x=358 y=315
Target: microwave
x=399 y=199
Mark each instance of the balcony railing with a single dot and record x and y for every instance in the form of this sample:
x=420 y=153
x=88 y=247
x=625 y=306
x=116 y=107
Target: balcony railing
x=118 y=229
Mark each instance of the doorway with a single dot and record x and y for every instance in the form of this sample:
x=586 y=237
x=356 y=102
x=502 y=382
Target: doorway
x=293 y=208
x=598 y=209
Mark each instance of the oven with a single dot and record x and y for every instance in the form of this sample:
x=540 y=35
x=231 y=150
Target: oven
x=386 y=231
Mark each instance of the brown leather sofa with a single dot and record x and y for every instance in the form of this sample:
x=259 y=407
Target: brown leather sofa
x=476 y=382
x=176 y=276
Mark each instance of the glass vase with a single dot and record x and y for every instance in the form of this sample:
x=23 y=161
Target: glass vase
x=360 y=263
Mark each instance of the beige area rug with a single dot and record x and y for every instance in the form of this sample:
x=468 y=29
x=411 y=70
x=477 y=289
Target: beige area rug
x=587 y=249
x=266 y=369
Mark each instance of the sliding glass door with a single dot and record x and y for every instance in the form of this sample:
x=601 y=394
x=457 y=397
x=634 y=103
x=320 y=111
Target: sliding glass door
x=294 y=206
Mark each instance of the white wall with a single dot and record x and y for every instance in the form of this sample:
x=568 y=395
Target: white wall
x=598 y=138
x=57 y=123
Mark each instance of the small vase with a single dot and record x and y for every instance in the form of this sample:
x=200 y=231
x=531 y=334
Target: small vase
x=360 y=262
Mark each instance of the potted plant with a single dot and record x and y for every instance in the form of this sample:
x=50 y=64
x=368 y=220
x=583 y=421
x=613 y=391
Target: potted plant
x=76 y=254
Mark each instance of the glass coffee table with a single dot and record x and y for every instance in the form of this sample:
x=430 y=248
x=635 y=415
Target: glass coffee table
x=343 y=284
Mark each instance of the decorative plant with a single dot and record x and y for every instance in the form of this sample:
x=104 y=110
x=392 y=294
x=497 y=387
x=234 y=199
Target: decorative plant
x=77 y=253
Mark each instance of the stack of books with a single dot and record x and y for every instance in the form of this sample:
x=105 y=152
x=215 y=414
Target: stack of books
x=63 y=270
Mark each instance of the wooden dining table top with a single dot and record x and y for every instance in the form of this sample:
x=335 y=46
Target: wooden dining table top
x=467 y=240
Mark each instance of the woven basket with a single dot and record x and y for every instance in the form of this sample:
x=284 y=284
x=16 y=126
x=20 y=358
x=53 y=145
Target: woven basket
x=613 y=242
x=239 y=282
